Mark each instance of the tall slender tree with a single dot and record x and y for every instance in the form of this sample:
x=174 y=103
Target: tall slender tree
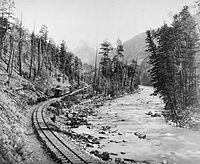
x=172 y=54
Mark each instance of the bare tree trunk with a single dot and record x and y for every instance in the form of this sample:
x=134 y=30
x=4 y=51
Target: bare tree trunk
x=39 y=48
x=11 y=68
x=20 y=51
x=10 y=56
x=32 y=53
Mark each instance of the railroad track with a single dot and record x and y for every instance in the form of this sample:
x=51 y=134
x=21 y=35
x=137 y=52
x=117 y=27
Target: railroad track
x=57 y=147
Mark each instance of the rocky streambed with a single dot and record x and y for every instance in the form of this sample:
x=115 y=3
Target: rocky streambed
x=132 y=130
x=129 y=129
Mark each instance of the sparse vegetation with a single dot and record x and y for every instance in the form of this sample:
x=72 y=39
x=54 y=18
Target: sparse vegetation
x=115 y=76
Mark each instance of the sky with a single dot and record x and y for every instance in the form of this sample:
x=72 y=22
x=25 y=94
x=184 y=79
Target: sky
x=89 y=21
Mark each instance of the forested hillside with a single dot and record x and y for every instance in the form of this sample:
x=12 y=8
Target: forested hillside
x=32 y=65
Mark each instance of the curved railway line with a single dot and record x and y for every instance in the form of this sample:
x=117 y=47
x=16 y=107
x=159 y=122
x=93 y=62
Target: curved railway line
x=60 y=149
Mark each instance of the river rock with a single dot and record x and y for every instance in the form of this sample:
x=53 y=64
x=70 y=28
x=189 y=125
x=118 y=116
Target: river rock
x=164 y=161
x=137 y=133
x=89 y=145
x=142 y=136
x=149 y=113
x=105 y=156
x=102 y=137
x=102 y=132
x=119 y=161
x=95 y=152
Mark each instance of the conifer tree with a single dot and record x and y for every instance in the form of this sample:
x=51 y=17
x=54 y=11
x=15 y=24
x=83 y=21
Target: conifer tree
x=120 y=65
x=105 y=65
x=172 y=54
x=32 y=53
x=77 y=69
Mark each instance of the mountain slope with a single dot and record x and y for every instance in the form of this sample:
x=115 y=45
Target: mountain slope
x=86 y=53
x=145 y=77
x=135 y=48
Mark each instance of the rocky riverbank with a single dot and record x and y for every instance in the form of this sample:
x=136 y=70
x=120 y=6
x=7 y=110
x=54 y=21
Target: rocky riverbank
x=131 y=129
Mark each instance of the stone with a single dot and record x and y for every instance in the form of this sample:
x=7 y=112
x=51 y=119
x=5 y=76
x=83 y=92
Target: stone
x=95 y=152
x=102 y=137
x=89 y=145
x=102 y=132
x=105 y=156
x=96 y=142
x=137 y=133
x=118 y=160
x=142 y=136
x=149 y=113
x=164 y=161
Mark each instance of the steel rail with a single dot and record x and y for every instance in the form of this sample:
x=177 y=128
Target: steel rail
x=63 y=154
x=42 y=112
x=40 y=128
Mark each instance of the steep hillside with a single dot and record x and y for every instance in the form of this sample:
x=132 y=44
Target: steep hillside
x=18 y=144
x=86 y=53
x=135 y=48
x=145 y=77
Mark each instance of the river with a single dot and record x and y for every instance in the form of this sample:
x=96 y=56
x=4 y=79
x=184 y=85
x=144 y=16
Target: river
x=127 y=115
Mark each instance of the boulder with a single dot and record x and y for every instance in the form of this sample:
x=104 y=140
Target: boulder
x=105 y=156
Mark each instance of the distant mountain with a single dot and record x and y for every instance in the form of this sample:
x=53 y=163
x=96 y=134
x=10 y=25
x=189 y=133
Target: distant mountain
x=145 y=77
x=86 y=53
x=135 y=48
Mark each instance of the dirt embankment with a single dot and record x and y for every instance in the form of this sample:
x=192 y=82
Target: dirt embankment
x=18 y=143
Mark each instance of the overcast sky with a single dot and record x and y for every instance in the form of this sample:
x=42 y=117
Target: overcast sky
x=76 y=21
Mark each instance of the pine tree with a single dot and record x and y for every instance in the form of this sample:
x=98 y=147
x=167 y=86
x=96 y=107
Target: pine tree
x=132 y=75
x=62 y=56
x=186 y=34
x=6 y=12
x=20 y=45
x=32 y=53
x=105 y=66
x=77 y=69
x=120 y=65
x=172 y=54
